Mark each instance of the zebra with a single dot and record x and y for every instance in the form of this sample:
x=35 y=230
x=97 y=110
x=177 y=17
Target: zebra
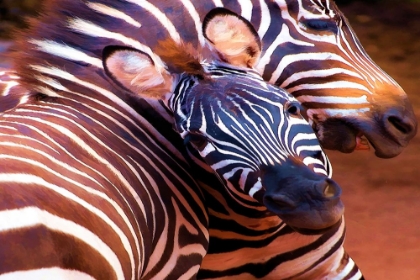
x=240 y=132
x=309 y=49
x=90 y=190
x=65 y=42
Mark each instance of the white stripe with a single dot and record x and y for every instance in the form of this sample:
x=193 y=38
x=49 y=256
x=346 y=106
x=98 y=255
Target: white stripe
x=218 y=3
x=161 y=17
x=330 y=85
x=347 y=269
x=82 y=144
x=8 y=127
x=9 y=86
x=338 y=112
x=52 y=83
x=310 y=160
x=302 y=136
x=282 y=37
x=319 y=73
x=96 y=31
x=246 y=9
x=66 y=52
x=333 y=99
x=32 y=179
x=196 y=18
x=31 y=216
x=288 y=59
x=320 y=171
x=51 y=273
x=46 y=90
x=301 y=148
x=265 y=20
x=109 y=11
x=255 y=188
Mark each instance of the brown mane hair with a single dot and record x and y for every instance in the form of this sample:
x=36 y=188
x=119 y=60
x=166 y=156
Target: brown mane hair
x=180 y=58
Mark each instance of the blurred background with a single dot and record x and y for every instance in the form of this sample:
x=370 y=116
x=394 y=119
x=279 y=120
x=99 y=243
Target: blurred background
x=382 y=197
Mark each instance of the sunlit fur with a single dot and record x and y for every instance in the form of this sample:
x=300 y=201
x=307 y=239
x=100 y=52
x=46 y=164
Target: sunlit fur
x=71 y=26
x=309 y=48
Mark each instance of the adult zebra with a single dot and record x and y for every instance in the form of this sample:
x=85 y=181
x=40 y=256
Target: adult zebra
x=90 y=190
x=309 y=48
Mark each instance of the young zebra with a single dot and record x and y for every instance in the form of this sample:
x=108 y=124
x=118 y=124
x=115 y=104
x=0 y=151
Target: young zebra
x=253 y=137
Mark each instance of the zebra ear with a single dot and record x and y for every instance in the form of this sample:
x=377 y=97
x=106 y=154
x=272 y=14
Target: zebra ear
x=233 y=37
x=135 y=71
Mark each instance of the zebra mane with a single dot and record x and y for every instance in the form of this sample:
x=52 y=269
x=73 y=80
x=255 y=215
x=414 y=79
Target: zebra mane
x=70 y=35
x=180 y=57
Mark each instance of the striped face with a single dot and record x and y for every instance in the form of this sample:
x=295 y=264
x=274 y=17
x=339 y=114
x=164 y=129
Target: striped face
x=254 y=138
x=348 y=98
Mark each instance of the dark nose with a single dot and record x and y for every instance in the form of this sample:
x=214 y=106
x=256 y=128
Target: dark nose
x=325 y=190
x=400 y=124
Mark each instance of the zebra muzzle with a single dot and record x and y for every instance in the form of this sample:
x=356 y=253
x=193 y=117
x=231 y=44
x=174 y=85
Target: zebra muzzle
x=303 y=200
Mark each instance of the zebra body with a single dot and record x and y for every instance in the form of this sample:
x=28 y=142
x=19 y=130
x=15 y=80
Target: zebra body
x=69 y=181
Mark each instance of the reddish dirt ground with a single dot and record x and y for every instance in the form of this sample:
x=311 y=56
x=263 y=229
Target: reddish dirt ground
x=382 y=197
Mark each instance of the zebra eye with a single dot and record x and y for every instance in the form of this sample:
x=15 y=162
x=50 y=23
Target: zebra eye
x=320 y=25
x=198 y=141
x=293 y=109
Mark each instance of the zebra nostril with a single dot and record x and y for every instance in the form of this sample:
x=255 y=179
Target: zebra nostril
x=329 y=189
x=404 y=127
x=401 y=124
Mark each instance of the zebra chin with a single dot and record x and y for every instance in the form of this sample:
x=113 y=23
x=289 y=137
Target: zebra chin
x=306 y=201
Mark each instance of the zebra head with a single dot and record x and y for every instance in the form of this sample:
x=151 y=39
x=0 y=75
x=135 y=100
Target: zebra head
x=248 y=132
x=319 y=60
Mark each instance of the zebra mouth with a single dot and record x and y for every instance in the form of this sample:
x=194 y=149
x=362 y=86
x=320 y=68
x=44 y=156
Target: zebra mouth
x=362 y=143
x=386 y=137
x=345 y=135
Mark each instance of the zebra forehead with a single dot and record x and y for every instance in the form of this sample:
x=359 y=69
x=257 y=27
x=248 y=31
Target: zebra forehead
x=239 y=88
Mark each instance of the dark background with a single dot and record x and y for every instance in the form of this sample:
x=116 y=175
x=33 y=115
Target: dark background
x=382 y=197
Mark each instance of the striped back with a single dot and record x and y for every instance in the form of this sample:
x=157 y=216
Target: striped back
x=308 y=48
x=90 y=187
